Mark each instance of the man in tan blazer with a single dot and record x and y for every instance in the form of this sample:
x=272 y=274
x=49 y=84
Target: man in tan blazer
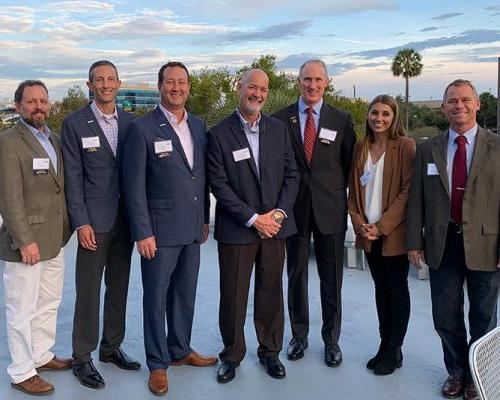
x=34 y=231
x=453 y=224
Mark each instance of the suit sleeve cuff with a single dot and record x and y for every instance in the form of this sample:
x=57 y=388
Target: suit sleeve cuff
x=252 y=219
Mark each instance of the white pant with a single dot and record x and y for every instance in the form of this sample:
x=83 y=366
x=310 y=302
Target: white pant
x=32 y=297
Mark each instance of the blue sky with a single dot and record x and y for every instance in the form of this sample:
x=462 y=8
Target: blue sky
x=57 y=40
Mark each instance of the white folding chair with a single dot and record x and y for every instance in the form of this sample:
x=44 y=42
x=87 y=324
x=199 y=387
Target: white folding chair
x=484 y=360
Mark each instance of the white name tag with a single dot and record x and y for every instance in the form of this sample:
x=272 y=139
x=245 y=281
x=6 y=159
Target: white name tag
x=366 y=177
x=432 y=169
x=163 y=146
x=327 y=134
x=91 y=142
x=41 y=164
x=240 y=155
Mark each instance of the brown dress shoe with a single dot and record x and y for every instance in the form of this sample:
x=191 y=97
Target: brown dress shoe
x=470 y=392
x=34 y=386
x=453 y=387
x=196 y=360
x=57 y=364
x=158 y=382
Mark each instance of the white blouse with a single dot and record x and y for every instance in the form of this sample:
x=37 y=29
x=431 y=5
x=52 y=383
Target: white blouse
x=373 y=188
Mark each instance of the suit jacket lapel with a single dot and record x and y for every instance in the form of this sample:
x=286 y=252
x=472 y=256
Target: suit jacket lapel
x=60 y=164
x=170 y=133
x=239 y=134
x=294 y=123
x=439 y=157
x=122 y=133
x=480 y=153
x=32 y=141
x=96 y=129
x=196 y=137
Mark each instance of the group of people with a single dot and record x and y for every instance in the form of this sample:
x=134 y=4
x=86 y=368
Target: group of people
x=277 y=180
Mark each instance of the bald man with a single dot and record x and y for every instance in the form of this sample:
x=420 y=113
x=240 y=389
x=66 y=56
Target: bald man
x=252 y=173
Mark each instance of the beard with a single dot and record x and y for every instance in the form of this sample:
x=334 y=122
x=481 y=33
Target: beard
x=250 y=107
x=37 y=119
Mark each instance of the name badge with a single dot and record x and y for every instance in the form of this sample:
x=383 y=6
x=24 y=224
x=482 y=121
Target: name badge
x=163 y=146
x=366 y=177
x=91 y=144
x=41 y=166
x=243 y=154
x=327 y=134
x=432 y=169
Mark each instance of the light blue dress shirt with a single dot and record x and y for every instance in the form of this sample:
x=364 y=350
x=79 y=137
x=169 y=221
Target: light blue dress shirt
x=43 y=138
x=452 y=148
x=303 y=115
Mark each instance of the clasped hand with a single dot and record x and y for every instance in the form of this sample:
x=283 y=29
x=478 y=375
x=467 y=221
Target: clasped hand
x=370 y=231
x=266 y=226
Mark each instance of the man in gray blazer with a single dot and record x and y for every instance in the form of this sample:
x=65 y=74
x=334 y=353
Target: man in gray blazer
x=454 y=220
x=92 y=143
x=34 y=231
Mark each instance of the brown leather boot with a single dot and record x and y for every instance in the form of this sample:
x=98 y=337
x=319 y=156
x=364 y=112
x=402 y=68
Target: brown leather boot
x=158 y=382
x=34 y=386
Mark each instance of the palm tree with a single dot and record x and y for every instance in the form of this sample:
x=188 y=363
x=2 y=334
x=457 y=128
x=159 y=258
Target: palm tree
x=408 y=63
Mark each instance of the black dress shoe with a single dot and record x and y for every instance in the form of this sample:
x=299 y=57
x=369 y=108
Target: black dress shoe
x=333 y=355
x=296 y=349
x=226 y=371
x=88 y=375
x=120 y=359
x=274 y=367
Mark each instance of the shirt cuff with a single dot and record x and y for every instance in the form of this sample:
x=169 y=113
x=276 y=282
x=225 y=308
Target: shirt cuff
x=250 y=222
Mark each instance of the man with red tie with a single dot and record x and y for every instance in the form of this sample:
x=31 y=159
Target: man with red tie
x=323 y=140
x=454 y=219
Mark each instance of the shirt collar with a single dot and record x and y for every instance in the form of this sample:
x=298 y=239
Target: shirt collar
x=470 y=135
x=303 y=106
x=100 y=115
x=172 y=118
x=249 y=127
x=44 y=132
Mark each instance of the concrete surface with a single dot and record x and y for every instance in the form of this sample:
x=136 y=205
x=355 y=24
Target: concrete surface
x=420 y=378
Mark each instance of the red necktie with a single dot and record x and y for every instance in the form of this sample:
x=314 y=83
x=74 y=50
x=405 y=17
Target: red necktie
x=458 y=179
x=309 y=134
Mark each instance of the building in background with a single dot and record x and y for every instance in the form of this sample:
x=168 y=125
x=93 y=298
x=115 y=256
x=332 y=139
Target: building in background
x=135 y=97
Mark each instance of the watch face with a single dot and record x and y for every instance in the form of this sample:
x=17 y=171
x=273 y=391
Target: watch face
x=278 y=217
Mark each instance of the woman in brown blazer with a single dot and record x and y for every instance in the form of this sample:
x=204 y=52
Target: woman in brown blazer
x=378 y=194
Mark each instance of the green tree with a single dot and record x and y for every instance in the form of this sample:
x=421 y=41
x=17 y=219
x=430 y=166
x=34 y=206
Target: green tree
x=74 y=99
x=487 y=114
x=407 y=63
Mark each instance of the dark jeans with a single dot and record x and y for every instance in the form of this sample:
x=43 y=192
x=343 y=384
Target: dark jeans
x=392 y=297
x=447 y=293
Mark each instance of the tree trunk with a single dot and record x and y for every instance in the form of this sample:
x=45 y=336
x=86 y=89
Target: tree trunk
x=407 y=105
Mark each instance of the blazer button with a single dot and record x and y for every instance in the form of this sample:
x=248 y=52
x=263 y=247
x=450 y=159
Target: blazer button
x=464 y=223
x=58 y=191
x=193 y=178
x=195 y=198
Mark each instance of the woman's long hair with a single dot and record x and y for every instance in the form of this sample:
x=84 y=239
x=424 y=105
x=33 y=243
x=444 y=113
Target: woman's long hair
x=395 y=130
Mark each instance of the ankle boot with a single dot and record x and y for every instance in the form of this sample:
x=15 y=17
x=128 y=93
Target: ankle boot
x=375 y=359
x=391 y=359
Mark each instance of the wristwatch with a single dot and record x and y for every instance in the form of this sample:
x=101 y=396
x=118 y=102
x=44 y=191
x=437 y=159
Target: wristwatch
x=278 y=216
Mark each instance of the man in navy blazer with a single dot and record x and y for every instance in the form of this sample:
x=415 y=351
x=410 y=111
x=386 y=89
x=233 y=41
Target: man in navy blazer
x=167 y=201
x=92 y=144
x=252 y=173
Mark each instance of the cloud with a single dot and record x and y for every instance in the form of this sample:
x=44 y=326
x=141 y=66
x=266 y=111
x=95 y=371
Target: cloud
x=429 y=29
x=398 y=34
x=495 y=14
x=277 y=31
x=80 y=6
x=340 y=68
x=446 y=16
x=16 y=19
x=294 y=61
x=492 y=8
x=257 y=8
x=469 y=37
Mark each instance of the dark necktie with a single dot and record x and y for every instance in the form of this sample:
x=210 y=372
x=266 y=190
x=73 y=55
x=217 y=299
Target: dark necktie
x=309 y=134
x=458 y=179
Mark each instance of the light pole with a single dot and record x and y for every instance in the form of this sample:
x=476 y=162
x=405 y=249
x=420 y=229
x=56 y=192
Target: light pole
x=354 y=90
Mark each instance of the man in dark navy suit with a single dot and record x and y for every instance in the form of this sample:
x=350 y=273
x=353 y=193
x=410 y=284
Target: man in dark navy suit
x=167 y=201
x=92 y=145
x=252 y=173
